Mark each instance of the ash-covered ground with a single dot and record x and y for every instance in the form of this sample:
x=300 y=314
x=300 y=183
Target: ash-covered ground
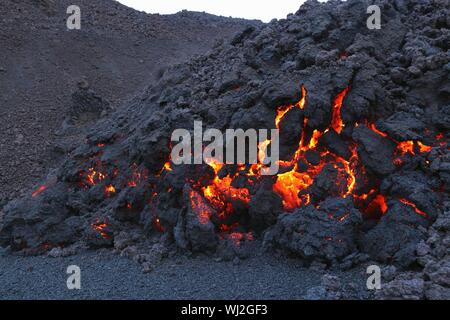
x=364 y=172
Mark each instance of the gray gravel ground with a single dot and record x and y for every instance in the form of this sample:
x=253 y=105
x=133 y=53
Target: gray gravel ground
x=108 y=276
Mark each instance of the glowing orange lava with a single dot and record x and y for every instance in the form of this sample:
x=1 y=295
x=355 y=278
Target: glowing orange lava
x=423 y=148
x=100 y=227
x=336 y=123
x=372 y=127
x=281 y=111
x=378 y=204
x=289 y=184
x=201 y=209
x=39 y=191
x=110 y=189
x=406 y=147
x=417 y=210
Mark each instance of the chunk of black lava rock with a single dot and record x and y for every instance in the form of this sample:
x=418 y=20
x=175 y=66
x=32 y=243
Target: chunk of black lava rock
x=326 y=234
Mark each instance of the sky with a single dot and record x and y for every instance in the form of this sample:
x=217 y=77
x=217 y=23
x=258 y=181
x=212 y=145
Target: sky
x=264 y=10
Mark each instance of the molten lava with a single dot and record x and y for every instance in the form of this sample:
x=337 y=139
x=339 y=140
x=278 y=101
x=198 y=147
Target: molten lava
x=412 y=205
x=220 y=196
x=336 y=123
x=376 y=207
x=281 y=111
x=406 y=147
x=423 y=148
x=39 y=191
x=221 y=193
x=100 y=227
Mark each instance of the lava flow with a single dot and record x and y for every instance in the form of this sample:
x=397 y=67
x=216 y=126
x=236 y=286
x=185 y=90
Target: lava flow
x=100 y=228
x=289 y=184
x=39 y=191
x=294 y=184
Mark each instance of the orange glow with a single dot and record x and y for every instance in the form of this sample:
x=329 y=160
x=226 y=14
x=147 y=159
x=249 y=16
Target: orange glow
x=423 y=148
x=282 y=111
x=157 y=224
x=200 y=208
x=377 y=204
x=349 y=167
x=100 y=227
x=39 y=191
x=109 y=189
x=289 y=184
x=406 y=147
x=167 y=166
x=93 y=177
x=372 y=127
x=336 y=121
x=237 y=237
x=417 y=210
x=220 y=194
x=314 y=140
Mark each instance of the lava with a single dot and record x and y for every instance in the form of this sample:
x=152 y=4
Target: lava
x=406 y=147
x=110 y=189
x=100 y=227
x=409 y=147
x=377 y=206
x=372 y=127
x=423 y=148
x=238 y=237
x=336 y=123
x=289 y=184
x=412 y=205
x=220 y=195
x=282 y=111
x=202 y=210
x=157 y=224
x=39 y=191
x=92 y=177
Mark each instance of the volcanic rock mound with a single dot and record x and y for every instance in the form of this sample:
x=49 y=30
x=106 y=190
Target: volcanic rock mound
x=363 y=125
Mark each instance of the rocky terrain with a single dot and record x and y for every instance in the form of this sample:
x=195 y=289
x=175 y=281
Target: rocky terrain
x=117 y=52
x=364 y=173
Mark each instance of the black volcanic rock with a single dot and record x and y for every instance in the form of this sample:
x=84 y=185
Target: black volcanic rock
x=396 y=236
x=328 y=234
x=403 y=126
